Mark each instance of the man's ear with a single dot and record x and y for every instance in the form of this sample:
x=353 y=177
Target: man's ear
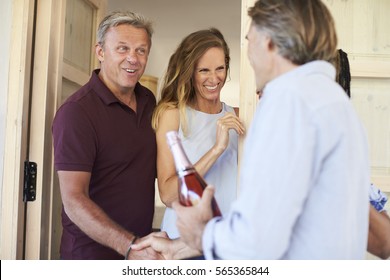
x=268 y=41
x=99 y=52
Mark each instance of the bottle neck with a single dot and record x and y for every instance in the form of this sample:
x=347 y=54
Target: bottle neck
x=182 y=162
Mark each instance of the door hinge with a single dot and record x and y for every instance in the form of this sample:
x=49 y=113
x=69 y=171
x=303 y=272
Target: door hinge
x=30 y=181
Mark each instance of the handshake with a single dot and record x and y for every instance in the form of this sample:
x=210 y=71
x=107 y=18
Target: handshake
x=159 y=246
x=191 y=222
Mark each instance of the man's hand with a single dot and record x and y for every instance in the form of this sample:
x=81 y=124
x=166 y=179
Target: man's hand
x=146 y=252
x=191 y=221
x=169 y=249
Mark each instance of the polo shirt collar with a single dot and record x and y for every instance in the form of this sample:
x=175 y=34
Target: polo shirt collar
x=108 y=97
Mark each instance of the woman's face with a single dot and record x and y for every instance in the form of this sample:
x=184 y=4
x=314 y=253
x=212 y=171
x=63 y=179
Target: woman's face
x=210 y=75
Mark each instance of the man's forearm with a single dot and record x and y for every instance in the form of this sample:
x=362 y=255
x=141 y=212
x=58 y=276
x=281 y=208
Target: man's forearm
x=95 y=223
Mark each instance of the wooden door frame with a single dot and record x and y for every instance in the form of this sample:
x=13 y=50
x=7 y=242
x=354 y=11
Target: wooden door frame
x=44 y=88
x=47 y=87
x=15 y=148
x=248 y=97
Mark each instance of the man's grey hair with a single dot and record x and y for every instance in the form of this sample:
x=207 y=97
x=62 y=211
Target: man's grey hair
x=118 y=18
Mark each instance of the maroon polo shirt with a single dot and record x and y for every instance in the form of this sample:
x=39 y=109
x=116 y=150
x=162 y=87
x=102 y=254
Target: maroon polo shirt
x=94 y=132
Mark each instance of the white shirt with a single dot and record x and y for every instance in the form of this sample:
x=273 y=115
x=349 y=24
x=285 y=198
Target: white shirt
x=304 y=177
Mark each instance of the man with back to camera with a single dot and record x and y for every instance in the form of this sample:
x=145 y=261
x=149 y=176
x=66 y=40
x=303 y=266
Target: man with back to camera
x=296 y=200
x=105 y=148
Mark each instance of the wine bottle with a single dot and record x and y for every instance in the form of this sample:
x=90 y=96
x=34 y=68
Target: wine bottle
x=191 y=184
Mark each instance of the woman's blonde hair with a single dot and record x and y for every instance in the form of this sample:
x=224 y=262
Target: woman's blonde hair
x=178 y=89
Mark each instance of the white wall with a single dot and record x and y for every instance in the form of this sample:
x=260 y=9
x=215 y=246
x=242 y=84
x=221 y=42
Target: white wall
x=174 y=19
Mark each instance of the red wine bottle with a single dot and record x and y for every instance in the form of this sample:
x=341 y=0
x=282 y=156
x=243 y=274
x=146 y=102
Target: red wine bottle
x=191 y=184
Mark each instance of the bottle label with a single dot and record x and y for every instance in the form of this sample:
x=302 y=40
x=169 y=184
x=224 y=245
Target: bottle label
x=183 y=173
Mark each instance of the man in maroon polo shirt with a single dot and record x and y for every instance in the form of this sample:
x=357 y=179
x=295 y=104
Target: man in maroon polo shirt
x=105 y=148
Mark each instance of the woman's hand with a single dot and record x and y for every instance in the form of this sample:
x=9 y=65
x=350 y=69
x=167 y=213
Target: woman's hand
x=224 y=125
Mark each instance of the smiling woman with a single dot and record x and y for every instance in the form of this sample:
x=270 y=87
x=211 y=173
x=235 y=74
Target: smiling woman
x=190 y=104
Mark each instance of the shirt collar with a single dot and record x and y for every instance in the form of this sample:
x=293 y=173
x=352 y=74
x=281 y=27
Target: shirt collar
x=312 y=67
x=105 y=93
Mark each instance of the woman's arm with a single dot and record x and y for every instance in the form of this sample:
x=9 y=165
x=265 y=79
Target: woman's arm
x=166 y=171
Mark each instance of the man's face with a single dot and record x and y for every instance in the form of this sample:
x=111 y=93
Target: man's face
x=123 y=57
x=259 y=55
